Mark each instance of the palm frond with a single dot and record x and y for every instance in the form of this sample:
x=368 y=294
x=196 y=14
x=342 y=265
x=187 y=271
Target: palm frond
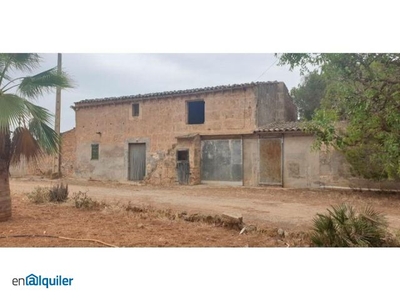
x=46 y=137
x=38 y=112
x=344 y=226
x=20 y=61
x=39 y=126
x=24 y=144
x=324 y=231
x=37 y=85
x=373 y=216
x=13 y=109
x=4 y=75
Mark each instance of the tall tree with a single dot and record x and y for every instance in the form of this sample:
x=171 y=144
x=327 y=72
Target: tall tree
x=24 y=127
x=308 y=94
x=363 y=89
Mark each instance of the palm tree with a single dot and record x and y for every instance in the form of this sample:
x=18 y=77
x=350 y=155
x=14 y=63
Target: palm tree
x=24 y=127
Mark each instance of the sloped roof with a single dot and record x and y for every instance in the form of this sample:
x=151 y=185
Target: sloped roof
x=280 y=127
x=99 y=101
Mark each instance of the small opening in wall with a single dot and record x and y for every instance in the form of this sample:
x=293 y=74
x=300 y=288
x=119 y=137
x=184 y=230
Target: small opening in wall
x=182 y=155
x=95 y=152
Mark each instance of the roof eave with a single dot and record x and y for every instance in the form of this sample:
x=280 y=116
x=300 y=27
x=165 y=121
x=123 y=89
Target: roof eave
x=169 y=94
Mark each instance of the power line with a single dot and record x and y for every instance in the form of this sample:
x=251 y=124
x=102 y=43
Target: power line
x=267 y=69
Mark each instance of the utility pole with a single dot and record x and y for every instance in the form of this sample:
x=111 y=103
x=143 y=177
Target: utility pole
x=57 y=159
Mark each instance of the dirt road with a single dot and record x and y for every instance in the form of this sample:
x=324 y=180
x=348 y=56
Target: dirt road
x=289 y=209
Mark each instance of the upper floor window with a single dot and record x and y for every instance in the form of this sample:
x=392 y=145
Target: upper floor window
x=135 y=109
x=195 y=110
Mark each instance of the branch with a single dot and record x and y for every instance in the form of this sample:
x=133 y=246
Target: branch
x=391 y=81
x=11 y=81
x=15 y=85
x=5 y=69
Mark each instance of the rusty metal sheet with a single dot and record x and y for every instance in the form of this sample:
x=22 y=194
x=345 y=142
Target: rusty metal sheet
x=271 y=161
x=221 y=160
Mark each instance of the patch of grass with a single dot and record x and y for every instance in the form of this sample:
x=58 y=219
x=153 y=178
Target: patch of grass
x=83 y=201
x=57 y=193
x=39 y=195
x=150 y=212
x=135 y=209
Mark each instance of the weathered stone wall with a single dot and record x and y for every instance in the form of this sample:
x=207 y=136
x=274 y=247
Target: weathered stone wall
x=325 y=168
x=44 y=166
x=68 y=152
x=290 y=109
x=274 y=104
x=300 y=164
x=335 y=171
x=163 y=171
x=251 y=161
x=333 y=168
x=159 y=123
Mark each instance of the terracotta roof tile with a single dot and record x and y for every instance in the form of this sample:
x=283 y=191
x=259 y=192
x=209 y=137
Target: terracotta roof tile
x=280 y=127
x=170 y=93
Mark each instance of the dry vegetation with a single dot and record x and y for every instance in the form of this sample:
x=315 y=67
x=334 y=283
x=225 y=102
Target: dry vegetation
x=99 y=214
x=39 y=225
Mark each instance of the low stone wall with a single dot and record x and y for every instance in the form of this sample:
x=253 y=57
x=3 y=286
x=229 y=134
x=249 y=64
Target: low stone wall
x=162 y=165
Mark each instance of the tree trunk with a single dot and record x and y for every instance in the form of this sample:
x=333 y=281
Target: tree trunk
x=5 y=198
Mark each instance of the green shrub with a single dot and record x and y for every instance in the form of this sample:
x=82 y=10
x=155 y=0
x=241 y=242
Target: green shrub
x=39 y=195
x=59 y=193
x=343 y=226
x=82 y=200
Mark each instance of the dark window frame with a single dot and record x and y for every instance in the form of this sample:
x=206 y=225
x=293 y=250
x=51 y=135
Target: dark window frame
x=135 y=109
x=193 y=117
x=180 y=156
x=95 y=152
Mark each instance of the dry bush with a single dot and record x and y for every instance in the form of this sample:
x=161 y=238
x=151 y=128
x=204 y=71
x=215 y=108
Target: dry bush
x=83 y=201
x=59 y=193
x=39 y=195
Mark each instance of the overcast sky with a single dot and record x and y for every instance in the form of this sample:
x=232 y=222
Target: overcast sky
x=112 y=75
x=169 y=27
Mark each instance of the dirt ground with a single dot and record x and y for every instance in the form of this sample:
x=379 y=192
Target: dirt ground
x=268 y=209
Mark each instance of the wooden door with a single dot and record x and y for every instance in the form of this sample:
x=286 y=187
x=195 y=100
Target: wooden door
x=271 y=161
x=137 y=161
x=182 y=166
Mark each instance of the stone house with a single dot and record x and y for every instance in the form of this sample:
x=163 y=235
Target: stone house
x=241 y=134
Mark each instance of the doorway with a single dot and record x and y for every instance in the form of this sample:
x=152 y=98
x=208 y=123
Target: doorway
x=182 y=166
x=137 y=161
x=221 y=160
x=271 y=161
